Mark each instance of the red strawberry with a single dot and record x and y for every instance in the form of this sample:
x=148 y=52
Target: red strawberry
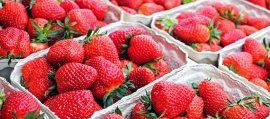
x=141 y=76
x=100 y=45
x=258 y=72
x=35 y=47
x=247 y=29
x=185 y=15
x=159 y=67
x=75 y=76
x=225 y=26
x=194 y=19
x=129 y=10
x=256 y=49
x=258 y=23
x=74 y=104
x=239 y=63
x=20 y=105
x=215 y=48
x=201 y=47
x=14 y=42
x=13 y=14
x=110 y=78
x=69 y=5
x=259 y=82
x=150 y=8
x=268 y=4
x=209 y=12
x=147 y=1
x=113 y=116
x=134 y=4
x=114 y=2
x=171 y=98
x=238 y=112
x=229 y=11
x=47 y=9
x=65 y=51
x=33 y=23
x=232 y=37
x=215 y=98
x=98 y=7
x=261 y=3
x=136 y=111
x=169 y=4
x=261 y=111
x=195 y=109
x=143 y=49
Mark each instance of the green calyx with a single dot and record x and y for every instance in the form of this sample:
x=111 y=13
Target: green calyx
x=195 y=87
x=67 y=30
x=168 y=23
x=232 y=68
x=91 y=34
x=117 y=93
x=128 y=68
x=150 y=65
x=118 y=111
x=2 y=98
x=45 y=34
x=194 y=46
x=187 y=1
x=266 y=45
x=229 y=14
x=29 y=115
x=214 y=32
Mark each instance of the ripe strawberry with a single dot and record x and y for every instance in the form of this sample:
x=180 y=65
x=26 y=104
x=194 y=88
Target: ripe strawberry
x=150 y=8
x=259 y=82
x=110 y=79
x=159 y=67
x=258 y=23
x=134 y=4
x=129 y=10
x=141 y=76
x=35 y=47
x=33 y=23
x=261 y=110
x=239 y=63
x=147 y=1
x=201 y=47
x=171 y=98
x=225 y=26
x=65 y=51
x=215 y=98
x=194 y=19
x=13 y=14
x=195 y=109
x=229 y=11
x=121 y=38
x=47 y=9
x=232 y=37
x=128 y=66
x=74 y=104
x=113 y=116
x=100 y=45
x=256 y=49
x=69 y=5
x=15 y=43
x=261 y=3
x=258 y=72
x=267 y=4
x=209 y=12
x=75 y=76
x=114 y=2
x=98 y=7
x=20 y=104
x=136 y=111
x=180 y=118
x=137 y=50
x=247 y=29
x=169 y=4
x=238 y=112
x=215 y=48
x=185 y=15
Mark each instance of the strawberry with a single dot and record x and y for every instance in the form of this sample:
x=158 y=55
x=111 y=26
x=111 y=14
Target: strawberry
x=113 y=116
x=80 y=77
x=65 y=51
x=201 y=47
x=259 y=82
x=238 y=111
x=114 y=2
x=209 y=12
x=215 y=98
x=96 y=44
x=13 y=14
x=169 y=4
x=147 y=1
x=35 y=77
x=134 y=4
x=232 y=37
x=261 y=3
x=74 y=104
x=229 y=11
x=195 y=109
x=239 y=63
x=194 y=19
x=150 y=8
x=35 y=47
x=258 y=23
x=137 y=50
x=185 y=14
x=129 y=10
x=225 y=26
x=247 y=29
x=121 y=38
x=34 y=25
x=14 y=42
x=267 y=4
x=141 y=76
x=256 y=49
x=47 y=9
x=258 y=72
x=20 y=105
x=267 y=63
x=159 y=67
x=215 y=48
x=98 y=7
x=170 y=98
x=261 y=109
x=69 y=5
x=110 y=79
x=128 y=66
x=136 y=111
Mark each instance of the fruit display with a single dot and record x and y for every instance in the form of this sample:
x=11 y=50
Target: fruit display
x=30 y=26
x=203 y=31
x=262 y=3
x=208 y=93
x=99 y=70
x=250 y=60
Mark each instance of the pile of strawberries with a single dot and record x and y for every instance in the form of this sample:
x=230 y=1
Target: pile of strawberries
x=148 y=7
x=262 y=3
x=33 y=25
x=212 y=27
x=18 y=105
x=75 y=80
x=209 y=100
x=253 y=62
